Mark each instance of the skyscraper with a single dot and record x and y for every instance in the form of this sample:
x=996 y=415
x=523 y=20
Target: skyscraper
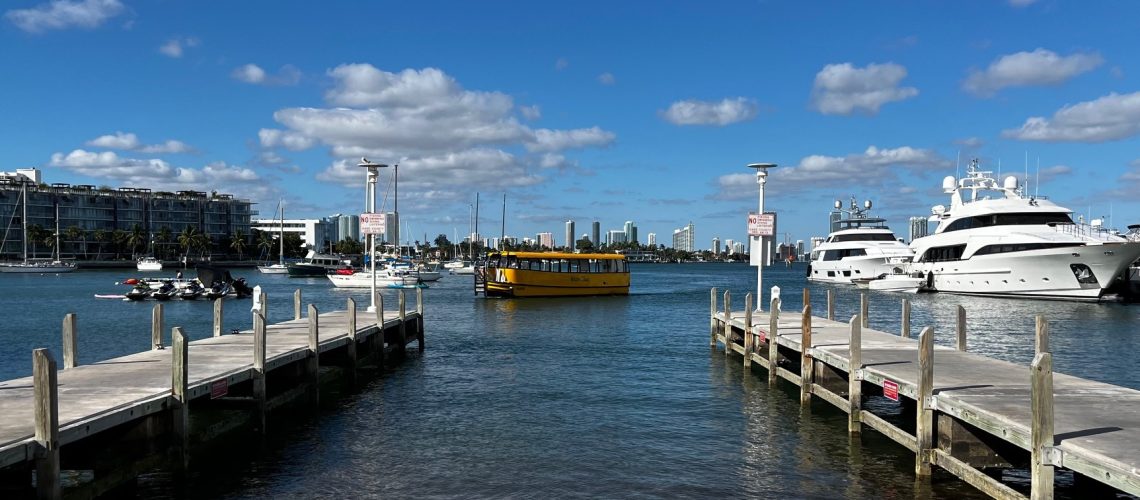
x=545 y=240
x=651 y=239
x=570 y=243
x=630 y=230
x=716 y=246
x=596 y=231
x=683 y=238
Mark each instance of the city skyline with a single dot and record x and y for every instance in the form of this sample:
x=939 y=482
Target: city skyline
x=579 y=111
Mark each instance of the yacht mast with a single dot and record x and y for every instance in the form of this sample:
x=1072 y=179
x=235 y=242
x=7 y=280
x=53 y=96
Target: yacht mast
x=281 y=235
x=24 y=194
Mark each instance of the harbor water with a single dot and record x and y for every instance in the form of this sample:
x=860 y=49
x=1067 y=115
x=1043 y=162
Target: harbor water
x=586 y=397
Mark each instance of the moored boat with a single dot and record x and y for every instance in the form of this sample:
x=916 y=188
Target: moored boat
x=858 y=247
x=148 y=264
x=317 y=265
x=552 y=274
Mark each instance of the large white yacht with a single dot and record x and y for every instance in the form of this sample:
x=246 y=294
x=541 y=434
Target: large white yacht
x=995 y=240
x=859 y=247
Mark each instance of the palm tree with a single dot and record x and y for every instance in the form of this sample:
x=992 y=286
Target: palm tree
x=237 y=243
x=187 y=238
x=204 y=243
x=162 y=238
x=136 y=238
x=119 y=240
x=35 y=236
x=264 y=242
x=74 y=233
x=100 y=237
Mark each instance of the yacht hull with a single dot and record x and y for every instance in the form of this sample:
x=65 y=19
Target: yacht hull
x=852 y=268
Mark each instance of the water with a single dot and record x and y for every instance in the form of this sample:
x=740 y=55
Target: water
x=597 y=397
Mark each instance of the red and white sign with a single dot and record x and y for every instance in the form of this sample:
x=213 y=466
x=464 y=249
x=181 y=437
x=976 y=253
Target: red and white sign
x=761 y=224
x=763 y=335
x=891 y=390
x=219 y=388
x=372 y=223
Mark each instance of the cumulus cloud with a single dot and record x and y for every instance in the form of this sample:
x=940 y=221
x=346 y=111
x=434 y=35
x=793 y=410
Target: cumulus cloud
x=561 y=140
x=253 y=74
x=175 y=46
x=64 y=14
x=870 y=167
x=154 y=173
x=606 y=79
x=724 y=112
x=473 y=168
x=842 y=89
x=970 y=142
x=531 y=112
x=1023 y=69
x=293 y=141
x=130 y=142
x=1107 y=118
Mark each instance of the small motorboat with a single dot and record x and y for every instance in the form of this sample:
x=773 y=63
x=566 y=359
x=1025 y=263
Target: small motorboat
x=165 y=292
x=192 y=291
x=242 y=289
x=138 y=292
x=895 y=282
x=218 y=290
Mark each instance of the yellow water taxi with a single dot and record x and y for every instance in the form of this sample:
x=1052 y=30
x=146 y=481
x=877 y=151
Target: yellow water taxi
x=552 y=274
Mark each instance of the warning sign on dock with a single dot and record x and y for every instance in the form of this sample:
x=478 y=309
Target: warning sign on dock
x=761 y=224
x=219 y=388
x=372 y=223
x=891 y=390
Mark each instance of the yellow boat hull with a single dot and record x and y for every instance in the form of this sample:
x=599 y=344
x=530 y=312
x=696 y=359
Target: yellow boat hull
x=526 y=283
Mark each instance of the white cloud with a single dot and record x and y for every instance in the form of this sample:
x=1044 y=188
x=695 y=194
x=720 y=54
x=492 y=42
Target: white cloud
x=156 y=173
x=175 y=46
x=970 y=142
x=724 y=112
x=561 y=140
x=606 y=79
x=130 y=142
x=473 y=168
x=272 y=138
x=63 y=14
x=1023 y=69
x=1107 y=118
x=1022 y=3
x=531 y=112
x=253 y=74
x=871 y=167
x=841 y=89
x=169 y=146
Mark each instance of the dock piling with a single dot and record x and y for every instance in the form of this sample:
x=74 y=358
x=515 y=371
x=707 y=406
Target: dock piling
x=70 y=335
x=156 y=320
x=46 y=393
x=747 y=332
x=350 y=349
x=924 y=414
x=712 y=317
x=905 y=318
x=313 y=365
x=179 y=372
x=379 y=339
x=1041 y=483
x=403 y=320
x=854 y=377
x=1042 y=335
x=807 y=296
x=259 y=394
x=773 y=341
x=218 y=317
x=806 y=364
x=865 y=310
x=297 y=304
x=420 y=319
x=961 y=328
x=830 y=304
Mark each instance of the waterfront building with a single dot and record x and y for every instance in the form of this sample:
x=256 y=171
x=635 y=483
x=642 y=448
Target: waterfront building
x=315 y=233
x=800 y=250
x=616 y=236
x=596 y=231
x=89 y=216
x=651 y=239
x=684 y=237
x=919 y=227
x=716 y=246
x=630 y=230
x=545 y=240
x=728 y=248
x=570 y=235
x=738 y=247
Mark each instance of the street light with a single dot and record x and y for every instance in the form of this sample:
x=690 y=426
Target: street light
x=761 y=179
x=370 y=207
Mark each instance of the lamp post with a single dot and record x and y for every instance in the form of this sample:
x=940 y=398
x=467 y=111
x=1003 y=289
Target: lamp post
x=761 y=179
x=370 y=208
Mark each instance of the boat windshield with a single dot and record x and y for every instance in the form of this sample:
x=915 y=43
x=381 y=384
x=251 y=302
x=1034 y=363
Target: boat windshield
x=1009 y=219
x=863 y=237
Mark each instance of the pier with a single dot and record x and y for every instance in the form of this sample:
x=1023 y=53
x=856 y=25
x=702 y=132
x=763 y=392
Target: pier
x=99 y=425
x=968 y=414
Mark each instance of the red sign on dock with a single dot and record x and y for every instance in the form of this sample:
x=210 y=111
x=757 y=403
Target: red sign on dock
x=219 y=388
x=763 y=335
x=891 y=390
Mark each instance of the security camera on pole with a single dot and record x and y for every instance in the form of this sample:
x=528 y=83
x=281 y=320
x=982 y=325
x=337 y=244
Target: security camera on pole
x=759 y=226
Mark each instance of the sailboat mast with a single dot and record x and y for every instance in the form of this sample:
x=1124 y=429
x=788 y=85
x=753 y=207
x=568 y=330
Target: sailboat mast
x=281 y=236
x=503 y=230
x=58 y=254
x=476 y=235
x=24 y=194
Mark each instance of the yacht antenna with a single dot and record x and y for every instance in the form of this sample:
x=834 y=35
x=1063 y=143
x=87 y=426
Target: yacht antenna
x=1037 y=183
x=958 y=165
x=1025 y=187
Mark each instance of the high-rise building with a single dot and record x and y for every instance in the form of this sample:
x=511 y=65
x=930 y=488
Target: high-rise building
x=630 y=231
x=545 y=240
x=800 y=249
x=728 y=248
x=391 y=229
x=596 y=231
x=616 y=236
x=651 y=239
x=716 y=246
x=738 y=247
x=570 y=243
x=683 y=238
x=919 y=227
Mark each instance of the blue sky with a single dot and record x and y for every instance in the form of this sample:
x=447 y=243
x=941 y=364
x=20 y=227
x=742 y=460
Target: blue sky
x=604 y=111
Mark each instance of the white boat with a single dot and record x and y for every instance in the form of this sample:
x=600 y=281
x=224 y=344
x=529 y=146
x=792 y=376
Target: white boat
x=37 y=267
x=467 y=269
x=149 y=264
x=363 y=279
x=279 y=267
x=858 y=247
x=456 y=264
x=893 y=282
x=995 y=240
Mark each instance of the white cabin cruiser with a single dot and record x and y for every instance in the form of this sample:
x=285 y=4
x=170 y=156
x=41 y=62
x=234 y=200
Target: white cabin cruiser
x=859 y=247
x=994 y=240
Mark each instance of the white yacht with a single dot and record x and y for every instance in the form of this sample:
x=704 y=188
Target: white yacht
x=859 y=247
x=995 y=240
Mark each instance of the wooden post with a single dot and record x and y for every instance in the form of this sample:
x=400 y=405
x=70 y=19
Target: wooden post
x=854 y=377
x=179 y=373
x=806 y=364
x=259 y=394
x=727 y=321
x=156 y=320
x=403 y=320
x=70 y=339
x=265 y=306
x=747 y=332
x=218 y=317
x=1041 y=483
x=773 y=342
x=807 y=296
x=314 y=361
x=865 y=310
x=297 y=304
x=420 y=319
x=712 y=317
x=906 y=318
x=380 y=335
x=46 y=390
x=1042 y=335
x=830 y=304
x=350 y=347
x=924 y=416
x=961 y=328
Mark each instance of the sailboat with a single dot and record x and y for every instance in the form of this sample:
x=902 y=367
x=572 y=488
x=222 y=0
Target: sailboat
x=279 y=267
x=55 y=266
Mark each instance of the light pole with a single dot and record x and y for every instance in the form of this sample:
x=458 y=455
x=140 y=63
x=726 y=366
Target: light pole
x=370 y=208
x=761 y=179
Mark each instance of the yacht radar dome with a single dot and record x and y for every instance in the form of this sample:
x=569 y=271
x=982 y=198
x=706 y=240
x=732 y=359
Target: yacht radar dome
x=838 y=204
x=949 y=184
x=867 y=205
x=1010 y=183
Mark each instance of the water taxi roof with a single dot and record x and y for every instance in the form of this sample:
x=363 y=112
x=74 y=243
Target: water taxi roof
x=559 y=255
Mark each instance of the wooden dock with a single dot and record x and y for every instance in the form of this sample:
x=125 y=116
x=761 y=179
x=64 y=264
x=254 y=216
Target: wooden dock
x=971 y=415
x=120 y=416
